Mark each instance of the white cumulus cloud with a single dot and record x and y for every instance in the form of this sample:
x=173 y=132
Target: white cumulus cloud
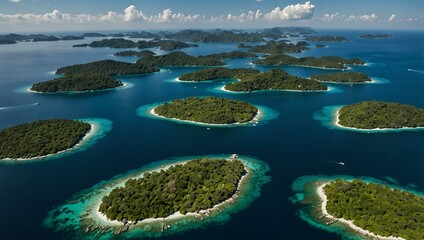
x=392 y=18
x=14 y=1
x=330 y=17
x=292 y=12
x=371 y=17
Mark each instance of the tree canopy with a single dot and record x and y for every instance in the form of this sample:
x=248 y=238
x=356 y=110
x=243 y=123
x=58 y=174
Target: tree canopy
x=377 y=208
x=40 y=138
x=273 y=47
x=216 y=73
x=343 y=77
x=108 y=68
x=195 y=185
x=326 y=39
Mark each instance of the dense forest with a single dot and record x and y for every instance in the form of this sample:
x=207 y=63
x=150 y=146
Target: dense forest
x=375 y=114
x=215 y=37
x=124 y=43
x=5 y=41
x=231 y=55
x=323 y=62
x=40 y=138
x=108 y=68
x=326 y=39
x=377 y=36
x=216 y=73
x=273 y=47
x=274 y=79
x=178 y=58
x=342 y=77
x=131 y=53
x=208 y=110
x=196 y=185
x=77 y=83
x=377 y=208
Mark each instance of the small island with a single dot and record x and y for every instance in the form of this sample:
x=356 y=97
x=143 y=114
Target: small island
x=131 y=53
x=380 y=115
x=320 y=46
x=273 y=47
x=178 y=59
x=124 y=43
x=77 y=83
x=344 y=77
x=5 y=41
x=326 y=62
x=173 y=196
x=275 y=79
x=38 y=139
x=216 y=73
x=361 y=207
x=208 y=110
x=326 y=39
x=377 y=36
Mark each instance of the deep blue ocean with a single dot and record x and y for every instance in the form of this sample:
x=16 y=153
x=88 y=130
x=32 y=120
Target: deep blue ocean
x=294 y=144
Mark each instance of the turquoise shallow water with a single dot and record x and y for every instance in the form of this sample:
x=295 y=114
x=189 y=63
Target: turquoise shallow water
x=293 y=144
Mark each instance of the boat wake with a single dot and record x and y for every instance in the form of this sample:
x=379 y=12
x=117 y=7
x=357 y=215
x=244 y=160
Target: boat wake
x=417 y=71
x=19 y=106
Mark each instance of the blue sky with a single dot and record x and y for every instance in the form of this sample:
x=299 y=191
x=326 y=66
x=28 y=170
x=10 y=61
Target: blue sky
x=54 y=15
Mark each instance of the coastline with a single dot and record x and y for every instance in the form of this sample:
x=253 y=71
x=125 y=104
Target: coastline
x=124 y=85
x=321 y=193
x=93 y=130
x=276 y=90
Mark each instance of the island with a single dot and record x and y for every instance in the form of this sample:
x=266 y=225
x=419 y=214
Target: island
x=94 y=35
x=273 y=47
x=69 y=38
x=380 y=115
x=5 y=41
x=124 y=43
x=377 y=36
x=364 y=206
x=209 y=110
x=216 y=73
x=41 y=138
x=231 y=55
x=320 y=46
x=77 y=83
x=274 y=79
x=326 y=39
x=131 y=53
x=343 y=77
x=177 y=59
x=221 y=36
x=43 y=38
x=173 y=196
x=326 y=62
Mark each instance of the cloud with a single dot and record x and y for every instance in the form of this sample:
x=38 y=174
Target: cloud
x=15 y=1
x=292 y=12
x=368 y=18
x=392 y=18
x=330 y=17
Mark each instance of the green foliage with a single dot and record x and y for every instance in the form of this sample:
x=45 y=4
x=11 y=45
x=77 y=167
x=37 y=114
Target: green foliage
x=5 y=41
x=324 y=62
x=216 y=73
x=208 y=110
x=215 y=37
x=377 y=36
x=274 y=79
x=343 y=77
x=231 y=55
x=377 y=208
x=178 y=58
x=375 y=114
x=108 y=68
x=273 y=47
x=195 y=185
x=40 y=138
x=131 y=53
x=124 y=43
x=77 y=83
x=326 y=39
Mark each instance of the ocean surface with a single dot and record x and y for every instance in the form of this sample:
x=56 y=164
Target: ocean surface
x=293 y=144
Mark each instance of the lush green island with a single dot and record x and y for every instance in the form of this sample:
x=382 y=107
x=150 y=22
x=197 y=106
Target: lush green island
x=209 y=110
x=343 y=77
x=108 y=68
x=43 y=38
x=377 y=36
x=332 y=62
x=77 y=83
x=124 y=43
x=376 y=208
x=275 y=79
x=131 y=53
x=196 y=185
x=69 y=38
x=326 y=39
x=289 y=30
x=178 y=58
x=320 y=46
x=41 y=138
x=231 y=55
x=5 y=41
x=216 y=73
x=220 y=36
x=380 y=115
x=94 y=35
x=273 y=47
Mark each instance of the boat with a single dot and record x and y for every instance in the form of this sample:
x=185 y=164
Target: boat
x=341 y=163
x=233 y=156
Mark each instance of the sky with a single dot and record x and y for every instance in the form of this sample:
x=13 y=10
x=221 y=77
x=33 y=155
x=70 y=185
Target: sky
x=83 y=15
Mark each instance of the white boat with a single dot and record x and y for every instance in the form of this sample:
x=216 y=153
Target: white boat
x=341 y=163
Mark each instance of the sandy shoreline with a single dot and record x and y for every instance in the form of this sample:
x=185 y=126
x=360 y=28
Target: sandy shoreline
x=93 y=130
x=280 y=90
x=323 y=197
x=177 y=215
x=124 y=85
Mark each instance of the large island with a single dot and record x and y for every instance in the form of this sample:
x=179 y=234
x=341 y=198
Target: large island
x=208 y=110
x=216 y=73
x=275 y=79
x=172 y=196
x=343 y=77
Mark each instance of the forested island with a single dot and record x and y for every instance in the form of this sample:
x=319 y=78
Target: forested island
x=209 y=110
x=377 y=36
x=343 y=77
x=41 y=138
x=221 y=36
x=131 y=53
x=376 y=208
x=190 y=187
x=274 y=47
x=332 y=62
x=380 y=115
x=5 y=41
x=178 y=58
x=216 y=73
x=124 y=43
x=274 y=79
x=326 y=39
x=108 y=68
x=77 y=83
x=320 y=46
x=94 y=35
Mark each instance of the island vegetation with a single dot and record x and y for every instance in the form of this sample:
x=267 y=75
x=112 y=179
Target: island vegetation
x=210 y=110
x=108 y=68
x=376 y=114
x=326 y=39
x=273 y=47
x=69 y=38
x=275 y=79
x=5 y=41
x=231 y=55
x=178 y=58
x=320 y=46
x=332 y=62
x=94 y=35
x=131 y=53
x=377 y=36
x=77 y=83
x=214 y=37
x=377 y=208
x=43 y=38
x=124 y=43
x=342 y=77
x=190 y=187
x=216 y=73
x=41 y=138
